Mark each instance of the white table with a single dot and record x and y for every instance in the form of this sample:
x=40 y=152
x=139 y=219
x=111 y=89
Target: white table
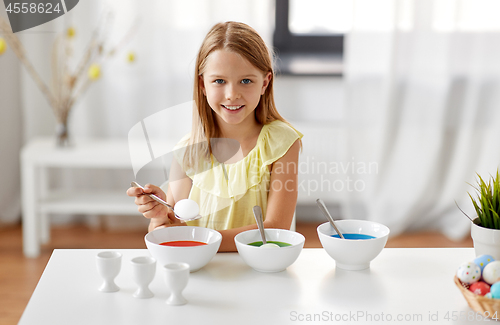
x=41 y=154
x=415 y=284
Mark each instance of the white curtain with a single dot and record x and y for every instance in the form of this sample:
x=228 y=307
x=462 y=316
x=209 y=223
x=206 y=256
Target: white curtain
x=10 y=138
x=423 y=96
x=165 y=45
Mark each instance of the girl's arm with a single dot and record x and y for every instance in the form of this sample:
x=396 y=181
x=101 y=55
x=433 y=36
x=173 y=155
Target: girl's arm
x=179 y=187
x=159 y=215
x=281 y=200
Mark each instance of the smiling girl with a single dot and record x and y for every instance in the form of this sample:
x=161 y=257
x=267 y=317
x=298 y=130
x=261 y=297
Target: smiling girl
x=233 y=92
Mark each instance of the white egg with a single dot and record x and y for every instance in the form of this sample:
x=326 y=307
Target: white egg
x=269 y=245
x=187 y=209
x=491 y=272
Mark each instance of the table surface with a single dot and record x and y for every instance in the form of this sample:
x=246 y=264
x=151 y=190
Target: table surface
x=402 y=286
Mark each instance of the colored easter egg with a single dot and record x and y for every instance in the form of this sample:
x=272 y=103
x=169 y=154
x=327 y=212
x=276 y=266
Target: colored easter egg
x=491 y=272
x=469 y=273
x=483 y=260
x=480 y=288
x=488 y=295
x=495 y=290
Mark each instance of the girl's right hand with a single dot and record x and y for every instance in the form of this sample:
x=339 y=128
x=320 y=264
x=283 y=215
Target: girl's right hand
x=159 y=214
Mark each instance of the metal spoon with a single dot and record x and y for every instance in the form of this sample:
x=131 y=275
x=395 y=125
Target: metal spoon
x=257 y=212
x=157 y=199
x=323 y=209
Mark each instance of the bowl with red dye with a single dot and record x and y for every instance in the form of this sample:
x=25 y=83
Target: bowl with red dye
x=195 y=246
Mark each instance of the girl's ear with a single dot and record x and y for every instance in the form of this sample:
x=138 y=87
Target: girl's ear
x=202 y=84
x=267 y=80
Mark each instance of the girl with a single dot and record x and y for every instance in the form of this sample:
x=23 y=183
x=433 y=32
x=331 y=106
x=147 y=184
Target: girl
x=233 y=93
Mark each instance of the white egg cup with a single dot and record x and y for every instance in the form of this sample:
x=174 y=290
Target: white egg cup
x=109 y=265
x=176 y=278
x=143 y=272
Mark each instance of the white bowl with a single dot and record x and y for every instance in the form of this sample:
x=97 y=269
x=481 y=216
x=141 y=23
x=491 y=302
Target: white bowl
x=269 y=259
x=196 y=256
x=353 y=254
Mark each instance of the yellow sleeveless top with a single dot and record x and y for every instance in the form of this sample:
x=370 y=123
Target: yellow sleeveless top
x=227 y=203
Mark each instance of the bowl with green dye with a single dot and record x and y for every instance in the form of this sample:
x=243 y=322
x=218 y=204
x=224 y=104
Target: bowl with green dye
x=274 y=259
x=364 y=241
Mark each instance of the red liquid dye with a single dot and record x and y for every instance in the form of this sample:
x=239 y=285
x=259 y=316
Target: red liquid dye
x=183 y=243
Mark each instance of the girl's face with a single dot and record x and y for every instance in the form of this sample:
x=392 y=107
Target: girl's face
x=233 y=86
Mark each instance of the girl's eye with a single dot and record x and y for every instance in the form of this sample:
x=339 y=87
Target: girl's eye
x=246 y=81
x=219 y=81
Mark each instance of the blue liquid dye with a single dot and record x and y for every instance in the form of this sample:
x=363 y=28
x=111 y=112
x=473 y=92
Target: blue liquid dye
x=355 y=236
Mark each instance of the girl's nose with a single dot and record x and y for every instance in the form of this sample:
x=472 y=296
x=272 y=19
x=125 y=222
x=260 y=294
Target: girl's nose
x=232 y=92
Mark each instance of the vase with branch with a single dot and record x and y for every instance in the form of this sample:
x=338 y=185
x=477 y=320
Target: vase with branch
x=68 y=84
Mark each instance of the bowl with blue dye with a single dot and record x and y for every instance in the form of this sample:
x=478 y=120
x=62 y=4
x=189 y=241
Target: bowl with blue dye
x=364 y=240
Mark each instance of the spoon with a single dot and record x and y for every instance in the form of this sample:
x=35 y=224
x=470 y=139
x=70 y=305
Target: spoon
x=257 y=212
x=157 y=199
x=323 y=209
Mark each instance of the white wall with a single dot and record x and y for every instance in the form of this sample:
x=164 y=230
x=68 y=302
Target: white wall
x=310 y=99
x=315 y=106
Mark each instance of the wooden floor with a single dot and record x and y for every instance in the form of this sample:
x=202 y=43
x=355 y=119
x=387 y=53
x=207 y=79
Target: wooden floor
x=19 y=275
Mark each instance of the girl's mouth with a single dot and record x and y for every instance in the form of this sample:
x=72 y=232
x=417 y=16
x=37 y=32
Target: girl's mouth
x=233 y=108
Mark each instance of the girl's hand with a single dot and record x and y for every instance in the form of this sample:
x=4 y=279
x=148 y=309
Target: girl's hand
x=160 y=215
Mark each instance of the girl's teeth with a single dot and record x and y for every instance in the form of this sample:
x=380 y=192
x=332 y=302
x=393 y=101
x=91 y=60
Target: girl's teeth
x=233 y=108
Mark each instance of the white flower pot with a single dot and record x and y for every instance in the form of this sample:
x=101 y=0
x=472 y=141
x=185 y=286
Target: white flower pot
x=486 y=241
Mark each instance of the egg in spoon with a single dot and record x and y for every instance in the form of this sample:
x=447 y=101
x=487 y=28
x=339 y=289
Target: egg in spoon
x=187 y=209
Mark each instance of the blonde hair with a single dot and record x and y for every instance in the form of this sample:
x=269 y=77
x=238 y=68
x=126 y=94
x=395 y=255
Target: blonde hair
x=244 y=40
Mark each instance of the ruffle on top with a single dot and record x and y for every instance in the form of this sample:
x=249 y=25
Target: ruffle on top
x=273 y=143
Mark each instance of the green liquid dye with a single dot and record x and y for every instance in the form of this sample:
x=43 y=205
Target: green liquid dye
x=279 y=243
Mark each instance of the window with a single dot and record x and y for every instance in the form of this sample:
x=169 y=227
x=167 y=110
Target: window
x=309 y=36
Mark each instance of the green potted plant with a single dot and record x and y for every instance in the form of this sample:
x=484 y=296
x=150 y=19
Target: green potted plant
x=485 y=230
